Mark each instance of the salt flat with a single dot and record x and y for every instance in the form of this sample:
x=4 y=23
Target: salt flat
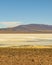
x=25 y=39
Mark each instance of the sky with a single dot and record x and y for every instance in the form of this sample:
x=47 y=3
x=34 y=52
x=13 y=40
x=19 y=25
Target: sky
x=17 y=12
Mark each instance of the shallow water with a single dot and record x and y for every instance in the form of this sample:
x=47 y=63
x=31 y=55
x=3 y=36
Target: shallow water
x=25 y=39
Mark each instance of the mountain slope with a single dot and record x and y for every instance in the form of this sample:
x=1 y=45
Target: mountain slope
x=30 y=28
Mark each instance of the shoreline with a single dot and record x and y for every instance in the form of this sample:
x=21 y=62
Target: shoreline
x=30 y=47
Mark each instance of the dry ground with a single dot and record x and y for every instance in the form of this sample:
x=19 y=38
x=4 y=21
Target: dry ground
x=25 y=56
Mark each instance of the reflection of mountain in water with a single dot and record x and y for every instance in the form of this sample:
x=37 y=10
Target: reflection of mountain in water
x=27 y=42
x=40 y=40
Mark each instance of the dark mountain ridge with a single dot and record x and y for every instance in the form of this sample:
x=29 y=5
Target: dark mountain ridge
x=29 y=28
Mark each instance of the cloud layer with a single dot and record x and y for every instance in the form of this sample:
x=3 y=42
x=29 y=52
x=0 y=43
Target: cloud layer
x=9 y=24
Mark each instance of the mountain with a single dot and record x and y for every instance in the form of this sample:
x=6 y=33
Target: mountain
x=29 y=28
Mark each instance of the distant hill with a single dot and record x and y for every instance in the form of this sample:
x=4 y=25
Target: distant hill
x=29 y=28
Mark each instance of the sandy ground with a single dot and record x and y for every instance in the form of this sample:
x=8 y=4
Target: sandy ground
x=24 y=56
x=7 y=36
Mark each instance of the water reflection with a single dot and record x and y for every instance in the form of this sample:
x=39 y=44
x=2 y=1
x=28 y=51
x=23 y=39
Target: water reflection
x=27 y=42
x=25 y=39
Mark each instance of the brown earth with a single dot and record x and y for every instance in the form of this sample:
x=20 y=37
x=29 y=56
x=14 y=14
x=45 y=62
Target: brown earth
x=25 y=56
x=17 y=32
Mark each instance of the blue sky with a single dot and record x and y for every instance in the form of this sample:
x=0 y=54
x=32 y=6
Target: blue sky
x=26 y=11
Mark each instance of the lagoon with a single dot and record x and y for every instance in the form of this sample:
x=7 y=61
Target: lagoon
x=25 y=39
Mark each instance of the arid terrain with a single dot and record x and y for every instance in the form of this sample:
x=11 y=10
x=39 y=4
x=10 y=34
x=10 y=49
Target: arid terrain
x=25 y=56
x=25 y=49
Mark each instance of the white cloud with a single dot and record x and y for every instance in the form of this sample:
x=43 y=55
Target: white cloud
x=9 y=24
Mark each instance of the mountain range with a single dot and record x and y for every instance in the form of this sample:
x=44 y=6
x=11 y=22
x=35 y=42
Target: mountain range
x=28 y=28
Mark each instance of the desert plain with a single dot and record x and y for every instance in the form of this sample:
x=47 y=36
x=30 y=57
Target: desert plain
x=25 y=49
